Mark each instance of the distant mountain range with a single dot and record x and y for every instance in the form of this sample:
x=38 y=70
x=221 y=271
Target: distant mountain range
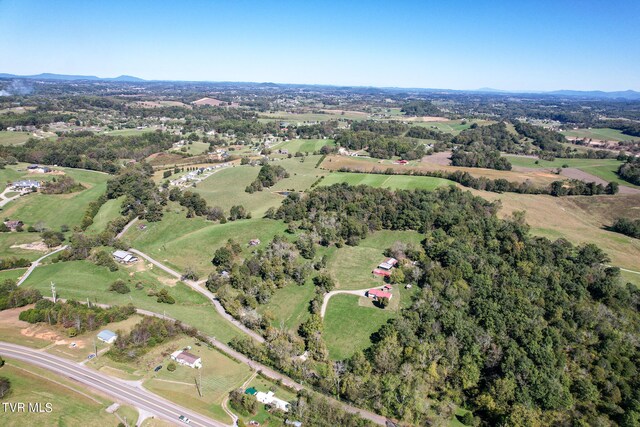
x=593 y=94
x=68 y=77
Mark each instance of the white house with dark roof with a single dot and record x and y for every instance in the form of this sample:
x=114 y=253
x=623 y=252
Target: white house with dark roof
x=187 y=359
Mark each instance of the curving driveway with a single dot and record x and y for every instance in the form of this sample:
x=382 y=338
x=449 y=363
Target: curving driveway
x=327 y=297
x=36 y=263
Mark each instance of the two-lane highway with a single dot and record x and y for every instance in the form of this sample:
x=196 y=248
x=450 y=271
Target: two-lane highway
x=118 y=389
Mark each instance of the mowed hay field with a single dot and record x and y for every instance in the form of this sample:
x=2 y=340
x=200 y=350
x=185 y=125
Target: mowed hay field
x=73 y=405
x=579 y=219
x=601 y=134
x=220 y=375
x=540 y=178
x=602 y=168
x=396 y=182
x=304 y=145
x=226 y=187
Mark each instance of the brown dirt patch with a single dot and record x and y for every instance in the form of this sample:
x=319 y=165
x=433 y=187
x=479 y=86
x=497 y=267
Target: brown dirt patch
x=587 y=177
x=442 y=158
x=427 y=119
x=9 y=318
x=33 y=246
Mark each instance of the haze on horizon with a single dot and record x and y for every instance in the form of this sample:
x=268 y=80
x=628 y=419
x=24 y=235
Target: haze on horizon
x=530 y=46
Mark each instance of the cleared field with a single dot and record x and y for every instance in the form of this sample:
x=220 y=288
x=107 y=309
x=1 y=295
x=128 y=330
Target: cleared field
x=453 y=127
x=14 y=138
x=128 y=132
x=82 y=280
x=602 y=134
x=396 y=182
x=108 y=212
x=351 y=266
x=348 y=325
x=289 y=305
x=73 y=405
x=219 y=373
x=304 y=145
x=181 y=242
x=55 y=210
x=194 y=148
x=541 y=177
x=602 y=168
x=10 y=245
x=283 y=116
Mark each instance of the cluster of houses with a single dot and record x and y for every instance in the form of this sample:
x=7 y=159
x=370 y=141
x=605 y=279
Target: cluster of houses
x=185 y=358
x=383 y=269
x=268 y=398
x=124 y=257
x=198 y=174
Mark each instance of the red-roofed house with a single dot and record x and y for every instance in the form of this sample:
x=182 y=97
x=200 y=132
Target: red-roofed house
x=376 y=294
x=381 y=272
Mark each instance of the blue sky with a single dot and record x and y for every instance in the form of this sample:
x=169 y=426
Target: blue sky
x=513 y=45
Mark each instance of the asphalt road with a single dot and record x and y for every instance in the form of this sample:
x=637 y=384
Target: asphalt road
x=120 y=390
x=36 y=263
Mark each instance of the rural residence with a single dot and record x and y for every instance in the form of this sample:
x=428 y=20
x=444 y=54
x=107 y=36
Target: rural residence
x=107 y=336
x=124 y=257
x=187 y=359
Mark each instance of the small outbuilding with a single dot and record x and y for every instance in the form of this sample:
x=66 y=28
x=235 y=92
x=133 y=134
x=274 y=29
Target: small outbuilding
x=124 y=257
x=107 y=336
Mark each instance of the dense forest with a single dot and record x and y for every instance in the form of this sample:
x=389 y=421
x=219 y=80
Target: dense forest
x=480 y=158
x=381 y=147
x=522 y=330
x=420 y=108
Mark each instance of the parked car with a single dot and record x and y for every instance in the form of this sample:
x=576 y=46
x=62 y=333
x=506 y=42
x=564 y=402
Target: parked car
x=157 y=368
x=91 y=356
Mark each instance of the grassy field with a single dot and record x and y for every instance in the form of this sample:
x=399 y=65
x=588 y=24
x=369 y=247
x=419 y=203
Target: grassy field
x=453 y=127
x=81 y=280
x=194 y=148
x=220 y=375
x=348 y=325
x=13 y=138
x=73 y=405
x=396 y=182
x=602 y=168
x=304 y=145
x=540 y=177
x=351 y=266
x=226 y=187
x=313 y=117
x=128 y=132
x=181 y=242
x=108 y=212
x=602 y=134
x=290 y=305
x=7 y=240
x=56 y=210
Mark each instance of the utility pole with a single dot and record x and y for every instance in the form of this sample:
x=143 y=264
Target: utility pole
x=53 y=291
x=95 y=347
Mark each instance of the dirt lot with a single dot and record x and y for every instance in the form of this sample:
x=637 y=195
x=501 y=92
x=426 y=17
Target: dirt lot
x=587 y=177
x=33 y=246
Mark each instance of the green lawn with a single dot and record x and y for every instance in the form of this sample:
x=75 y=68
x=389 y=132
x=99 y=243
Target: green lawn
x=128 y=132
x=396 y=182
x=195 y=148
x=453 y=127
x=602 y=168
x=290 y=305
x=263 y=416
x=7 y=240
x=304 y=145
x=351 y=266
x=81 y=280
x=108 y=212
x=227 y=187
x=181 y=242
x=14 y=138
x=603 y=134
x=73 y=405
x=348 y=326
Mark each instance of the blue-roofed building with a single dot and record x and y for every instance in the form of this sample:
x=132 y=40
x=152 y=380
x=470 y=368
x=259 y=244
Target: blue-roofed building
x=107 y=336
